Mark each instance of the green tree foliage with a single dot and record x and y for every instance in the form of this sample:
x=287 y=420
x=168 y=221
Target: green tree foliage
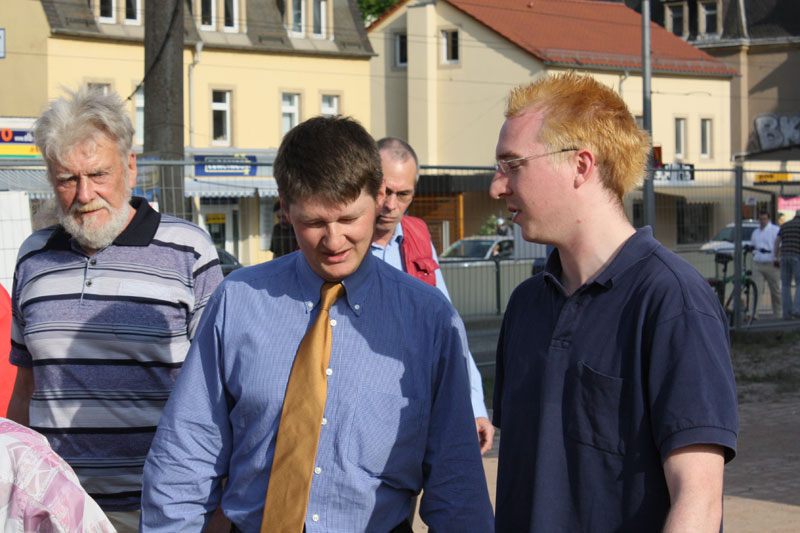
x=372 y=9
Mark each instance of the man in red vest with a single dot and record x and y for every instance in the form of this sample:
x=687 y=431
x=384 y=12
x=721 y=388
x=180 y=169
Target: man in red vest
x=405 y=243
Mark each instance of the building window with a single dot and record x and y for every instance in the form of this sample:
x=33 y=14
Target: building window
x=221 y=117
x=231 y=15
x=707 y=13
x=290 y=111
x=680 y=138
x=450 y=46
x=693 y=221
x=330 y=104
x=705 y=137
x=400 y=50
x=104 y=88
x=207 y=13
x=298 y=14
x=138 y=101
x=107 y=8
x=132 y=11
x=320 y=7
x=675 y=18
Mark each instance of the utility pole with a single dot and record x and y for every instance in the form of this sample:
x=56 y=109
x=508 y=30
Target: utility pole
x=163 y=97
x=648 y=191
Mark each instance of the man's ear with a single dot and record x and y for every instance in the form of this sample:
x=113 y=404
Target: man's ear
x=284 y=208
x=132 y=169
x=585 y=166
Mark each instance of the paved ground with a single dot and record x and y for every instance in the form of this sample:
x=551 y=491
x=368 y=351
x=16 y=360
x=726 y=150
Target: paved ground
x=762 y=485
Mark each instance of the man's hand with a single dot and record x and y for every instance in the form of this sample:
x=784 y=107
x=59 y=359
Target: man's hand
x=485 y=433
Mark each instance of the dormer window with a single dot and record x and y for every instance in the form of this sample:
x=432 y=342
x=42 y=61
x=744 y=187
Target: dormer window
x=220 y=15
x=675 y=19
x=708 y=14
x=308 y=18
x=117 y=11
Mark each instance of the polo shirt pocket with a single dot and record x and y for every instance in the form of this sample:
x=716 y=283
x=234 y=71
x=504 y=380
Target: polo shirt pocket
x=384 y=433
x=594 y=409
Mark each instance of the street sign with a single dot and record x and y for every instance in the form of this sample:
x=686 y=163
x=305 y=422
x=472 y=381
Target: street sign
x=772 y=177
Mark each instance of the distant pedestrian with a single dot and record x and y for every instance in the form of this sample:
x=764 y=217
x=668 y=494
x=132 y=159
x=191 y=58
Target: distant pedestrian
x=765 y=265
x=787 y=251
x=283 y=238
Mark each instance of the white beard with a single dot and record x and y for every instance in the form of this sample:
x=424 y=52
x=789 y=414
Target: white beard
x=88 y=236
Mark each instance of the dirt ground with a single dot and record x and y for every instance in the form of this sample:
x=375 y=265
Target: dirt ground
x=767 y=366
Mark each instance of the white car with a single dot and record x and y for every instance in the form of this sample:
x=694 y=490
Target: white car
x=480 y=248
x=723 y=241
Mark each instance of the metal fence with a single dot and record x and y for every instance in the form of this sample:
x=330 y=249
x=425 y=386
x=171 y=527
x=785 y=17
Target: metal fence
x=234 y=199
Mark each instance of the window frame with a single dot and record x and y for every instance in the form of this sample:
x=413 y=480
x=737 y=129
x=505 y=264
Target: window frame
x=138 y=98
x=398 y=47
x=234 y=5
x=338 y=108
x=105 y=85
x=323 y=11
x=227 y=107
x=213 y=16
x=706 y=137
x=137 y=9
x=450 y=54
x=702 y=17
x=294 y=108
x=669 y=23
x=680 y=145
x=290 y=13
x=110 y=19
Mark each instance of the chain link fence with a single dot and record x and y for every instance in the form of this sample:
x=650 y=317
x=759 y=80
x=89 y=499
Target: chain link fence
x=483 y=256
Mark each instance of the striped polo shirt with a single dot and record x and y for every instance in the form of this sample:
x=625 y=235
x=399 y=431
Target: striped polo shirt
x=790 y=237
x=105 y=336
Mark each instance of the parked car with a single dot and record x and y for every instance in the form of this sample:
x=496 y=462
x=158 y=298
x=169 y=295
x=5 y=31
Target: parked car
x=480 y=248
x=227 y=261
x=723 y=241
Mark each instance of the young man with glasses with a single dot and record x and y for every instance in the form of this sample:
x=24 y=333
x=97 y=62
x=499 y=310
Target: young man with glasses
x=614 y=390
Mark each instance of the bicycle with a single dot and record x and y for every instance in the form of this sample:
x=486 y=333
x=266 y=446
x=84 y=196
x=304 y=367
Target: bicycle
x=749 y=296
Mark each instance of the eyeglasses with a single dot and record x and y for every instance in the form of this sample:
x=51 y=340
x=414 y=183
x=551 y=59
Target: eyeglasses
x=504 y=166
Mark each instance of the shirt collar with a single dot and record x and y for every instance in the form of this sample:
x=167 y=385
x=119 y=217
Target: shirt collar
x=638 y=246
x=139 y=231
x=356 y=284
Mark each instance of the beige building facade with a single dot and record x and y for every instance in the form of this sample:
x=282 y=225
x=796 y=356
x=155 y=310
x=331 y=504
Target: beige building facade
x=253 y=69
x=443 y=70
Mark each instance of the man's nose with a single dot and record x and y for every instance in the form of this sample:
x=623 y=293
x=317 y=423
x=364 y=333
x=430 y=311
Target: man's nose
x=333 y=237
x=390 y=203
x=85 y=190
x=499 y=186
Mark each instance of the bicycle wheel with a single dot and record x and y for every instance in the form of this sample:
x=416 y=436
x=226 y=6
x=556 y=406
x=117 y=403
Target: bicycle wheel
x=750 y=298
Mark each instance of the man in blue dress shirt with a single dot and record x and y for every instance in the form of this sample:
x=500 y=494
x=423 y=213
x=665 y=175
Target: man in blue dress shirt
x=390 y=243
x=397 y=418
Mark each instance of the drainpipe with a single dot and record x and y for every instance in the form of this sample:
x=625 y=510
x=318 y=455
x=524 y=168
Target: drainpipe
x=622 y=80
x=198 y=47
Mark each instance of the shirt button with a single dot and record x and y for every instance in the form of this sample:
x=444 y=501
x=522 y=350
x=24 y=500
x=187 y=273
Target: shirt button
x=357 y=307
x=329 y=372
x=317 y=470
x=324 y=421
x=333 y=322
x=310 y=304
x=315 y=517
x=93 y=262
x=88 y=283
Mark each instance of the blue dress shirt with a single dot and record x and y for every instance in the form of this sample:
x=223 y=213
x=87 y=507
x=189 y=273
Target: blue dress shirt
x=391 y=255
x=397 y=417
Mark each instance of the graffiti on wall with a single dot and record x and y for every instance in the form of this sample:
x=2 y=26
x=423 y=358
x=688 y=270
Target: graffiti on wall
x=778 y=131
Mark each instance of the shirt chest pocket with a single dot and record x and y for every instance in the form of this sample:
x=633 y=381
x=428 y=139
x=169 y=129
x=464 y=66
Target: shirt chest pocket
x=384 y=436
x=593 y=409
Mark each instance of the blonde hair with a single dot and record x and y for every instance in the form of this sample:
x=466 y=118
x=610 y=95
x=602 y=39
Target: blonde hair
x=581 y=112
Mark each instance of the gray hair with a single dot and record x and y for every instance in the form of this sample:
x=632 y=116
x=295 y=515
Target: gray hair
x=79 y=117
x=398 y=150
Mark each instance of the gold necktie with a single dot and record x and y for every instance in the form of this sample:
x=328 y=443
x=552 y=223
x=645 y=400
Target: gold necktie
x=300 y=425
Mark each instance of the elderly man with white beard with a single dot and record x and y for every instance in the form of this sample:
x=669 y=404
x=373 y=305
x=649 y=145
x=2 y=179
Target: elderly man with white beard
x=105 y=304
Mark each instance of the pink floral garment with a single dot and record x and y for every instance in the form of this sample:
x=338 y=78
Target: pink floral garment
x=39 y=492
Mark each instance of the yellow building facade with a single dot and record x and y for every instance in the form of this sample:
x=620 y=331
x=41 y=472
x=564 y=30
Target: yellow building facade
x=252 y=70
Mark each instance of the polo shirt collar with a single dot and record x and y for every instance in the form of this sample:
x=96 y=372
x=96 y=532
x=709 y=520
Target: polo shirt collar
x=356 y=285
x=139 y=231
x=639 y=246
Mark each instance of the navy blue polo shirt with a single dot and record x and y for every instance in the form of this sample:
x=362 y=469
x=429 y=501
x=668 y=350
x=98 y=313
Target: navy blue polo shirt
x=594 y=390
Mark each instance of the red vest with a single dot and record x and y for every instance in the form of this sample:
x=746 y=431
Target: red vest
x=416 y=250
